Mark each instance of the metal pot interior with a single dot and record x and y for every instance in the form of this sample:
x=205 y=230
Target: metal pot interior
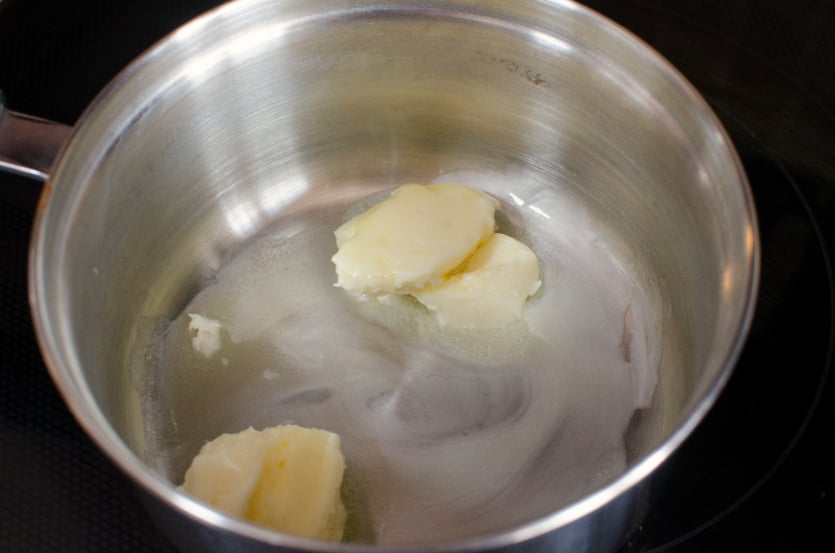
x=265 y=120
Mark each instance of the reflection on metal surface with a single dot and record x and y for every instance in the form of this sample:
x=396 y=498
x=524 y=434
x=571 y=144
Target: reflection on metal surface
x=243 y=219
x=248 y=216
x=29 y=145
x=274 y=198
x=204 y=65
x=538 y=211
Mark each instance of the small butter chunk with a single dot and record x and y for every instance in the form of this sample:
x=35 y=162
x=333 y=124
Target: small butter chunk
x=412 y=239
x=205 y=334
x=490 y=290
x=287 y=478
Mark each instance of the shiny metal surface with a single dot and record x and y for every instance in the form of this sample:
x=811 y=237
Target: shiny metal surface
x=264 y=111
x=28 y=145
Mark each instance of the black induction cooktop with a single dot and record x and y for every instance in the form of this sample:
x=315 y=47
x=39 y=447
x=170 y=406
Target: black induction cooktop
x=755 y=476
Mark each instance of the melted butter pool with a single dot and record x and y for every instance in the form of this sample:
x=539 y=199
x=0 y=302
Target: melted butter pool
x=447 y=433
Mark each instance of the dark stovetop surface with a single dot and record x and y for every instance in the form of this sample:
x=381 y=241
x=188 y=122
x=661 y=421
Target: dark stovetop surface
x=755 y=476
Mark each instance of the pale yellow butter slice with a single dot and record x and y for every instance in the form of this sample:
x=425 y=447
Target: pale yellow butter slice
x=412 y=239
x=490 y=290
x=286 y=477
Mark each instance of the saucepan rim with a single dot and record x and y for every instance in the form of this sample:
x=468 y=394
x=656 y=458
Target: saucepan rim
x=65 y=367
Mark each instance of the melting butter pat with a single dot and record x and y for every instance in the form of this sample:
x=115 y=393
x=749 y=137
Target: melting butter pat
x=287 y=478
x=205 y=334
x=413 y=239
x=490 y=290
x=438 y=243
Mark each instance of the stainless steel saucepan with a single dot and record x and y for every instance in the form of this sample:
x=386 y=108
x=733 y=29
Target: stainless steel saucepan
x=261 y=123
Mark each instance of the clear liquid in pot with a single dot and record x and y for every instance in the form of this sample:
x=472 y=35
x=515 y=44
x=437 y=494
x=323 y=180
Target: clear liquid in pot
x=447 y=433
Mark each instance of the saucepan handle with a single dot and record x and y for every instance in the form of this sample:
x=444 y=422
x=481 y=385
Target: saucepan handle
x=29 y=145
